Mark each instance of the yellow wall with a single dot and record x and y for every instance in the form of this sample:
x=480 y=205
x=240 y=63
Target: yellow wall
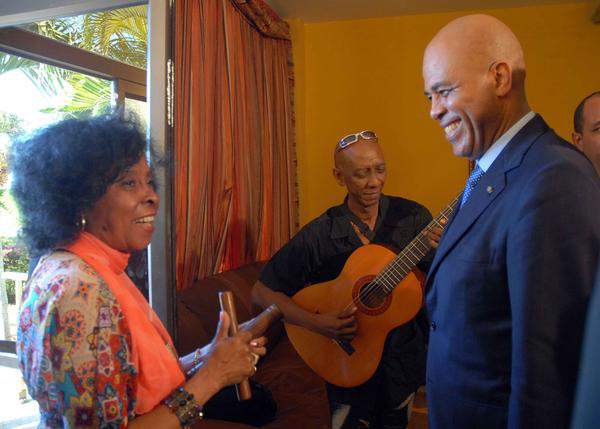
x=366 y=74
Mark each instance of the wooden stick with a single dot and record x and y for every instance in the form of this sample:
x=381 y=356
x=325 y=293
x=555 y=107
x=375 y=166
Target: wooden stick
x=226 y=300
x=258 y=325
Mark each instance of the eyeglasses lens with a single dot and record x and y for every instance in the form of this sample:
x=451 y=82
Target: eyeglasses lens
x=349 y=139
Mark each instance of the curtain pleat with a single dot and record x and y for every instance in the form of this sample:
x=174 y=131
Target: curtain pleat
x=235 y=168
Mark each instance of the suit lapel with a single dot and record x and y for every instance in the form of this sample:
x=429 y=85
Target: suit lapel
x=489 y=188
x=492 y=183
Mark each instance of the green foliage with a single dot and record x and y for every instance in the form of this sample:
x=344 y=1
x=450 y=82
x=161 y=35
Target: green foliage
x=15 y=259
x=10 y=124
x=48 y=79
x=14 y=255
x=120 y=34
x=3 y=178
x=91 y=96
x=3 y=170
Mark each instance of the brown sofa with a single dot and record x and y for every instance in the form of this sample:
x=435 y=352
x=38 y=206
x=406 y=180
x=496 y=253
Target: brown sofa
x=300 y=394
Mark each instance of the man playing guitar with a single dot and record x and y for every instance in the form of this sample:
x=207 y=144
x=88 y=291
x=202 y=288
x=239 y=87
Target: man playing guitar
x=318 y=253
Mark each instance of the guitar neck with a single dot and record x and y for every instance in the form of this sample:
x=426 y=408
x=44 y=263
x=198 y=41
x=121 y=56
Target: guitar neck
x=414 y=252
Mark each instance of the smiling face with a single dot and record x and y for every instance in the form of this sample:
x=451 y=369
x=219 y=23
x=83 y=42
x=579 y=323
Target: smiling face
x=474 y=76
x=588 y=140
x=462 y=100
x=361 y=168
x=123 y=217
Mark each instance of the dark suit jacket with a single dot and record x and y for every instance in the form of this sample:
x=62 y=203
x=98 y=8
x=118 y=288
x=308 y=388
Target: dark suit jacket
x=509 y=286
x=586 y=412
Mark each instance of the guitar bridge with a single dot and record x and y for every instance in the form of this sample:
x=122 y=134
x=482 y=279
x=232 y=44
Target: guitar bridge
x=346 y=346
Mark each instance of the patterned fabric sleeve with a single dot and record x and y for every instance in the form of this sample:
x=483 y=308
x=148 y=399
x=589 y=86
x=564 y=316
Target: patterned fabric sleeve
x=74 y=347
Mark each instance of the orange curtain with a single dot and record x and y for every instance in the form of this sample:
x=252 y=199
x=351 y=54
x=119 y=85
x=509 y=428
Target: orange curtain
x=235 y=177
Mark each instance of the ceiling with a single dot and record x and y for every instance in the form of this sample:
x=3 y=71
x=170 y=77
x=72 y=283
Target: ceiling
x=15 y=12
x=334 y=10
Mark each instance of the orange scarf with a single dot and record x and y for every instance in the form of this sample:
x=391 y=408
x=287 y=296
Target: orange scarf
x=152 y=351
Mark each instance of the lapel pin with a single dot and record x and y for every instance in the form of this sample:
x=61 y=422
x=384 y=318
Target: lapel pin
x=489 y=189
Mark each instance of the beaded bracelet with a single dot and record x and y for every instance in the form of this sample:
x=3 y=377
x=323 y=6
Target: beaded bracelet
x=181 y=403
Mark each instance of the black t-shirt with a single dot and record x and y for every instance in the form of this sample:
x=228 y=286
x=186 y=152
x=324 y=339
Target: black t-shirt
x=318 y=254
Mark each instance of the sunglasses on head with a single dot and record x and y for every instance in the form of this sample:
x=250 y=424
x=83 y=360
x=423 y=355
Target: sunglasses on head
x=353 y=138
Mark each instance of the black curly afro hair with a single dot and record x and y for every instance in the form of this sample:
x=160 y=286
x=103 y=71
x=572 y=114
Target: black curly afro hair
x=62 y=170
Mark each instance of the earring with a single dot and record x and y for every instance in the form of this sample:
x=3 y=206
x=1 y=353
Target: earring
x=82 y=222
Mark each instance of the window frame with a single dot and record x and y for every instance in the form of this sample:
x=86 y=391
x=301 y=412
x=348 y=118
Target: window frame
x=26 y=44
x=129 y=81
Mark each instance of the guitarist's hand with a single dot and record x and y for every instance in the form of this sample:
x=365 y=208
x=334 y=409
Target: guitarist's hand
x=339 y=326
x=435 y=233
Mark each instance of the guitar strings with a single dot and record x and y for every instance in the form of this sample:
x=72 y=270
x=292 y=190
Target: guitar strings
x=387 y=274
x=385 y=278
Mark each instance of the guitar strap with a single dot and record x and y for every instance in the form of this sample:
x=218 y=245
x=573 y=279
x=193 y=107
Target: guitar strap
x=363 y=227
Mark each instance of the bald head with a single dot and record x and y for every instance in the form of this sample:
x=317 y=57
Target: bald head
x=344 y=157
x=478 y=41
x=360 y=167
x=474 y=74
x=587 y=128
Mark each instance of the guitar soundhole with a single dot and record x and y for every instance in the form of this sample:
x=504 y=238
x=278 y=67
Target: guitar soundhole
x=371 y=295
x=372 y=298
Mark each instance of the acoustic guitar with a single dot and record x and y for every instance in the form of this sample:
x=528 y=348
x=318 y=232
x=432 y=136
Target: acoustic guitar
x=386 y=289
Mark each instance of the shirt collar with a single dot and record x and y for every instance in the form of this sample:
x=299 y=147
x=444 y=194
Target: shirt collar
x=496 y=148
x=341 y=227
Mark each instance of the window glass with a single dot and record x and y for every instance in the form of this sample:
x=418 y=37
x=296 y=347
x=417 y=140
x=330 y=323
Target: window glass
x=119 y=34
x=34 y=95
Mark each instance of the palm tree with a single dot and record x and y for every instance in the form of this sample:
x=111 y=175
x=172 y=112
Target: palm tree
x=120 y=34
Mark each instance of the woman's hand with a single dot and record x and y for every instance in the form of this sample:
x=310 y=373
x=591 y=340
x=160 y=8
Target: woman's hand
x=229 y=359
x=257 y=348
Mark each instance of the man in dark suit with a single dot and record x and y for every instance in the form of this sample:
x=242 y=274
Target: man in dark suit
x=586 y=412
x=509 y=286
